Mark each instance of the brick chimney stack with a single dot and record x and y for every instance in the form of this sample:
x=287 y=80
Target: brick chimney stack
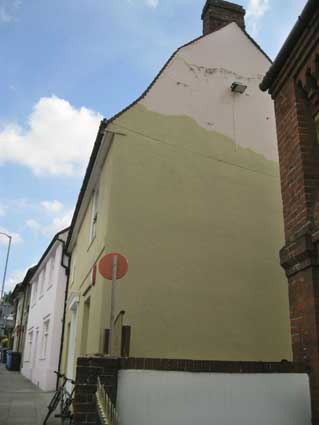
x=218 y=13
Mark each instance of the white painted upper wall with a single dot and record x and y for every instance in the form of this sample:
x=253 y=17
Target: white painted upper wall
x=43 y=333
x=181 y=398
x=197 y=83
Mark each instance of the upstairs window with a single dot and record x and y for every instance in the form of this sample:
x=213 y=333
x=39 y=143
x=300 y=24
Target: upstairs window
x=94 y=214
x=73 y=265
x=29 y=346
x=35 y=292
x=50 y=271
x=41 y=281
x=45 y=337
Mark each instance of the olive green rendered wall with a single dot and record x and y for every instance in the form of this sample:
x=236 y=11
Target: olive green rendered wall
x=199 y=219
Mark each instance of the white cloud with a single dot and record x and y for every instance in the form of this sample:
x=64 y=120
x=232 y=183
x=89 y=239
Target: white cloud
x=58 y=139
x=33 y=224
x=3 y=210
x=57 y=224
x=16 y=238
x=52 y=206
x=14 y=278
x=8 y=10
x=256 y=9
x=152 y=3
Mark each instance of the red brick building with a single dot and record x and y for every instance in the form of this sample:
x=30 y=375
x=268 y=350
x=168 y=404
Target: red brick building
x=293 y=82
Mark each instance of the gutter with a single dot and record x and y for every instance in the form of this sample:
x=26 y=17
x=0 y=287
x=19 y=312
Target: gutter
x=22 y=314
x=96 y=148
x=67 y=269
x=105 y=122
x=300 y=26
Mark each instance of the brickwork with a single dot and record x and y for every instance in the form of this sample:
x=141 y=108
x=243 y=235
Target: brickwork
x=298 y=156
x=293 y=82
x=87 y=371
x=216 y=14
x=89 y=368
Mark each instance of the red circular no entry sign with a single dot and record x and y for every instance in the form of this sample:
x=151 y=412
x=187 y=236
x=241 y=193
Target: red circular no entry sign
x=106 y=266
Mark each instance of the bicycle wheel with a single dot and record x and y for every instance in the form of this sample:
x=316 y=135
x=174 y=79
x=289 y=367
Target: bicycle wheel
x=55 y=401
x=66 y=415
x=52 y=405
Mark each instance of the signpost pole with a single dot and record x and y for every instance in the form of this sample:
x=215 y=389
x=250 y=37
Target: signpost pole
x=114 y=275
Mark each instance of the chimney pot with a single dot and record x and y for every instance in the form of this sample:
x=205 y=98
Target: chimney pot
x=218 y=13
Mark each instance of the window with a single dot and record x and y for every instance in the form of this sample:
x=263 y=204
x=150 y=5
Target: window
x=35 y=292
x=29 y=346
x=50 y=272
x=45 y=336
x=317 y=126
x=85 y=326
x=73 y=263
x=41 y=282
x=52 y=269
x=95 y=204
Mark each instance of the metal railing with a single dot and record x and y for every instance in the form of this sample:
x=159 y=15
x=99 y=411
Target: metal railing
x=106 y=409
x=117 y=336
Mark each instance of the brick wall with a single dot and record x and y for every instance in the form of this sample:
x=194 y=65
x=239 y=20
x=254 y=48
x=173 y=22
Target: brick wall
x=296 y=95
x=87 y=371
x=217 y=14
x=89 y=368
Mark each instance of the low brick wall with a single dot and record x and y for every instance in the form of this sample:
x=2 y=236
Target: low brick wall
x=107 y=368
x=87 y=371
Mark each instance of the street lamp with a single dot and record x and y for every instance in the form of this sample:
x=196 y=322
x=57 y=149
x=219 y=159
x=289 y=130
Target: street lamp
x=7 y=259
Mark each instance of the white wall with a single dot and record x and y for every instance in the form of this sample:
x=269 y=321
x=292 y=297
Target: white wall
x=180 y=398
x=39 y=366
x=197 y=83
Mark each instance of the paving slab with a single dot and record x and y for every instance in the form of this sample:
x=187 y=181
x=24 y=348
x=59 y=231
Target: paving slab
x=21 y=402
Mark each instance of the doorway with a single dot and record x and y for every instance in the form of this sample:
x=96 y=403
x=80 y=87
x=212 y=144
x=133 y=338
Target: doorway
x=72 y=341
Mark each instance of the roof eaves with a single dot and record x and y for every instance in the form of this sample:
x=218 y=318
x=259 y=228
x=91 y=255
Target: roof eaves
x=104 y=124
x=34 y=269
x=256 y=44
x=288 y=46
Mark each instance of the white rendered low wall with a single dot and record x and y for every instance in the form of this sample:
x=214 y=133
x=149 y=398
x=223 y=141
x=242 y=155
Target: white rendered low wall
x=181 y=398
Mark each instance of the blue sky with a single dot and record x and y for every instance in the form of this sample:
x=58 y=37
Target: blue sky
x=65 y=64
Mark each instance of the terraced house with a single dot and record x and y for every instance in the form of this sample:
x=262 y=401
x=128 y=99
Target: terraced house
x=42 y=344
x=185 y=183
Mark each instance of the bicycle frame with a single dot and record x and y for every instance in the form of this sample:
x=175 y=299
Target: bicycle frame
x=63 y=397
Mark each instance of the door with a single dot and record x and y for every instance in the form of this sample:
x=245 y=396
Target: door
x=34 y=358
x=71 y=347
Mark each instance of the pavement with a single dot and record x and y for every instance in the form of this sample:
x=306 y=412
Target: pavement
x=21 y=402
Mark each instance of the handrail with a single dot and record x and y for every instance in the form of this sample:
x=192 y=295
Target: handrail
x=121 y=313
x=106 y=409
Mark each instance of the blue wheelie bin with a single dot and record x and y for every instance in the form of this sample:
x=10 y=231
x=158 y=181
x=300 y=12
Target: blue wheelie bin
x=4 y=355
x=13 y=360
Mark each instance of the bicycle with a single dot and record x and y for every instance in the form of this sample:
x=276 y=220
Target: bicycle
x=65 y=398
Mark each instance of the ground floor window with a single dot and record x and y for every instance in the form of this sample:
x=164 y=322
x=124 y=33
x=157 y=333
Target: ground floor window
x=29 y=346
x=45 y=336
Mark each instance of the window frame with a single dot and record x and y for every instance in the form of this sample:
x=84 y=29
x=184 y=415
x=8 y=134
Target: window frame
x=29 y=346
x=41 y=280
x=94 y=212
x=45 y=337
x=34 y=292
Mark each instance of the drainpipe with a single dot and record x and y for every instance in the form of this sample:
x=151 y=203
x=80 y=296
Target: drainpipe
x=67 y=269
x=21 y=321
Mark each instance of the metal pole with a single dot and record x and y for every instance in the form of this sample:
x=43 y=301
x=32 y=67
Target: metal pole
x=6 y=264
x=114 y=275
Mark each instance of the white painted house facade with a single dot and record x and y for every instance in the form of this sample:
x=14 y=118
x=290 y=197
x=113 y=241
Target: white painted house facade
x=44 y=328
